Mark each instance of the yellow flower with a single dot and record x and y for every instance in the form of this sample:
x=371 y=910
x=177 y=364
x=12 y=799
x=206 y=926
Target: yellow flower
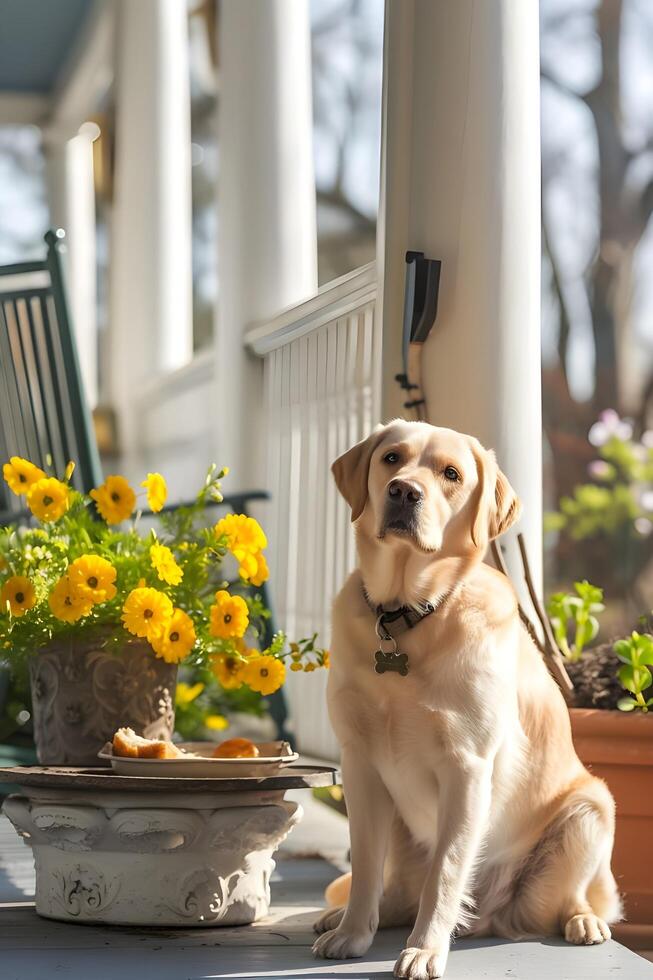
x=157 y=491
x=264 y=674
x=177 y=638
x=228 y=669
x=326 y=659
x=216 y=723
x=255 y=569
x=146 y=612
x=115 y=499
x=296 y=666
x=93 y=577
x=67 y=603
x=20 y=474
x=48 y=499
x=229 y=616
x=309 y=668
x=245 y=538
x=18 y=594
x=163 y=561
x=187 y=693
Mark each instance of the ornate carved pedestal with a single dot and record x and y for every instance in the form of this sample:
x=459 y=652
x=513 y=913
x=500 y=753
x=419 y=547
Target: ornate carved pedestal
x=141 y=856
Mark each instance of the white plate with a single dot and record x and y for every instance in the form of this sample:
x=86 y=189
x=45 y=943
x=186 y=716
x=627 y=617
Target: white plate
x=273 y=757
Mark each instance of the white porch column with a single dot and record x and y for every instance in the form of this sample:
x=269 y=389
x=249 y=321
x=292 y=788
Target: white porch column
x=71 y=196
x=151 y=281
x=461 y=181
x=267 y=243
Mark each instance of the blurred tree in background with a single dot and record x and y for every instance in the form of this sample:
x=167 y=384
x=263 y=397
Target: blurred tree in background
x=597 y=177
x=347 y=69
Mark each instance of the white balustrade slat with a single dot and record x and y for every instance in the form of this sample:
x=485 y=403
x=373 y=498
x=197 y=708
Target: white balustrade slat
x=320 y=376
x=314 y=487
x=281 y=508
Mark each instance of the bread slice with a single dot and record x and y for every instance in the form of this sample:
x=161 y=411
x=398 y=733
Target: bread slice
x=236 y=748
x=128 y=744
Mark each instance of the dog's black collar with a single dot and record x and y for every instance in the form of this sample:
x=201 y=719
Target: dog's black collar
x=400 y=620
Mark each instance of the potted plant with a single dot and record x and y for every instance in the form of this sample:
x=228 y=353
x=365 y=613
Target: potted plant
x=613 y=735
x=605 y=523
x=101 y=610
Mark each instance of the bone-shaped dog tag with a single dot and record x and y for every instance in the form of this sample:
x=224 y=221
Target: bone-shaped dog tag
x=389 y=660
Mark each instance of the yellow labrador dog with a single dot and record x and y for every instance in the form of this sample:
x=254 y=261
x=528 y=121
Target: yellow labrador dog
x=469 y=808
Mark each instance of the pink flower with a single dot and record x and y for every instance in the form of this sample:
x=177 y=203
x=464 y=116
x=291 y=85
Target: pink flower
x=599 y=469
x=608 y=426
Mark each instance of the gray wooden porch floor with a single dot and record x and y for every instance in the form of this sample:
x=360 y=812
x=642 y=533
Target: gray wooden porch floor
x=32 y=948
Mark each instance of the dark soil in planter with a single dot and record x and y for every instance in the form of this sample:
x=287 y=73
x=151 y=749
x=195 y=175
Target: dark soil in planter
x=595 y=680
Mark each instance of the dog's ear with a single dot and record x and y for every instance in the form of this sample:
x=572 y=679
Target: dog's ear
x=507 y=506
x=351 y=470
x=497 y=506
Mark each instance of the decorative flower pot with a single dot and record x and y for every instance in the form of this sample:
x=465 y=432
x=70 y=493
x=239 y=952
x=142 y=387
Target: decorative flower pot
x=82 y=692
x=618 y=748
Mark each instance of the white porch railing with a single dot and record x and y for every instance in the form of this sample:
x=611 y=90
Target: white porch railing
x=320 y=368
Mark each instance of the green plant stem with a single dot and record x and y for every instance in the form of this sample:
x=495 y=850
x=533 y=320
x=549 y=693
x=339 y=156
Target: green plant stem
x=568 y=653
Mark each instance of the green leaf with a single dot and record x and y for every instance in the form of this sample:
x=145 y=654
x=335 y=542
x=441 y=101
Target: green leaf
x=635 y=679
x=646 y=649
x=589 y=593
x=586 y=632
x=626 y=704
x=623 y=650
x=596 y=607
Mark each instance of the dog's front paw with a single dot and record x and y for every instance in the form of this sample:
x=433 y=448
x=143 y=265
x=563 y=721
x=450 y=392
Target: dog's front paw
x=586 y=929
x=341 y=945
x=421 y=964
x=330 y=919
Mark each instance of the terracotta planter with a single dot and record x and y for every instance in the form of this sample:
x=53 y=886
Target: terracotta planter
x=618 y=747
x=82 y=692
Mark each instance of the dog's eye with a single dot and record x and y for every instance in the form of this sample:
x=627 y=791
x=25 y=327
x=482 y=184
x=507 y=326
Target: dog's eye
x=451 y=473
x=391 y=458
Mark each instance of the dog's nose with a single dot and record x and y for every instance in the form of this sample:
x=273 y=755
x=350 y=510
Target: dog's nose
x=405 y=493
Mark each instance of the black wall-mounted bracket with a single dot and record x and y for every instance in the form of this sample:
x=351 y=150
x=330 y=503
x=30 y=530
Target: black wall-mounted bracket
x=420 y=309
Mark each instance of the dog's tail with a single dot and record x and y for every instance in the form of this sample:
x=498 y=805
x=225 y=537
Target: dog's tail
x=337 y=892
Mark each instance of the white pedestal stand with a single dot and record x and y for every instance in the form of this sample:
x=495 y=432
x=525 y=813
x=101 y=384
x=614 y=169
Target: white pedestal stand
x=155 y=857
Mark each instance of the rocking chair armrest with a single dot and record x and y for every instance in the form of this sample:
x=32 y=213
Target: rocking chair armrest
x=232 y=501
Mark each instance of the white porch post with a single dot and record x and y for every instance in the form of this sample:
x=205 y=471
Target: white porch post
x=151 y=283
x=267 y=246
x=461 y=181
x=72 y=207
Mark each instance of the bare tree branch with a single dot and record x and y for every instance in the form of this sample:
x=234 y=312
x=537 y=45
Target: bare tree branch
x=564 y=323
